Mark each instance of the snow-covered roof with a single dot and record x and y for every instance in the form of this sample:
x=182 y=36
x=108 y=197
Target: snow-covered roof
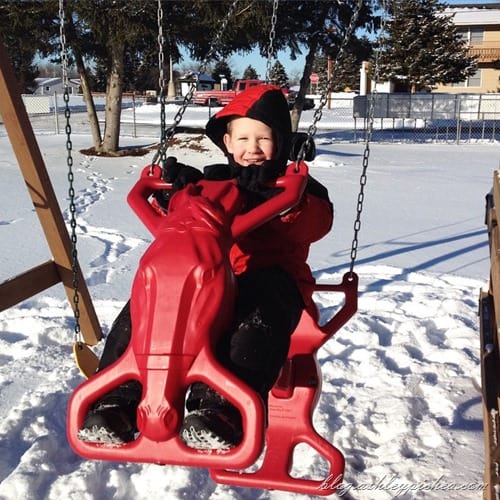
x=471 y=16
x=201 y=77
x=47 y=82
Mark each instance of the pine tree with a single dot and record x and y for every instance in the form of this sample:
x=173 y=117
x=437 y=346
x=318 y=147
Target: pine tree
x=345 y=72
x=278 y=75
x=26 y=29
x=422 y=47
x=320 y=67
x=222 y=69
x=250 y=73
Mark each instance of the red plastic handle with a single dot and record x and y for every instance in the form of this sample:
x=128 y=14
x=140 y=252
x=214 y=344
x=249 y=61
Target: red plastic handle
x=138 y=198
x=293 y=184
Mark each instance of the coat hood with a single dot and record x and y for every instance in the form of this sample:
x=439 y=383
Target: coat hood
x=265 y=103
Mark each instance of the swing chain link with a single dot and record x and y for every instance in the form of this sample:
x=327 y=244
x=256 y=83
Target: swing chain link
x=368 y=138
x=272 y=36
x=162 y=151
x=167 y=135
x=327 y=87
x=71 y=177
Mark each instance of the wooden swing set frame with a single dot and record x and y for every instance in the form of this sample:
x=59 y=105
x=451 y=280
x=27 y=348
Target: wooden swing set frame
x=60 y=268
x=489 y=315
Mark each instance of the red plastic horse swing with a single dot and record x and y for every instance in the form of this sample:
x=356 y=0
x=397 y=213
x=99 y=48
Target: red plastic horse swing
x=182 y=299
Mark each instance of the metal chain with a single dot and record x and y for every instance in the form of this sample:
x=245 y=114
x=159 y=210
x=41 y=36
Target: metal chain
x=368 y=138
x=71 y=177
x=162 y=152
x=189 y=96
x=272 y=36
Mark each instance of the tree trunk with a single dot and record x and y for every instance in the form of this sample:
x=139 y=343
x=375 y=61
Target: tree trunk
x=304 y=83
x=86 y=90
x=89 y=101
x=114 y=89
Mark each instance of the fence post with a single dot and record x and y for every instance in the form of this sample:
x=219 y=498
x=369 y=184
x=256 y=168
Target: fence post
x=133 y=115
x=56 y=113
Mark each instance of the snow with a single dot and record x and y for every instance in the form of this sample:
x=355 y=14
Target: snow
x=401 y=380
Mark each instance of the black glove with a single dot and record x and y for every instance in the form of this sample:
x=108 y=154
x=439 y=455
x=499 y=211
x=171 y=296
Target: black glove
x=252 y=181
x=179 y=175
x=299 y=138
x=255 y=177
x=217 y=172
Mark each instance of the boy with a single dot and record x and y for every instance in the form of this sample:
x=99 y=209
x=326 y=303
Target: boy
x=274 y=281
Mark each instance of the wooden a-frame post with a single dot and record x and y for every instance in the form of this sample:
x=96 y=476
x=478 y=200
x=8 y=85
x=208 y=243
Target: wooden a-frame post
x=30 y=160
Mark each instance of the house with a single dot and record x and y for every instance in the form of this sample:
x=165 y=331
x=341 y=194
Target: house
x=479 y=24
x=204 y=82
x=49 y=86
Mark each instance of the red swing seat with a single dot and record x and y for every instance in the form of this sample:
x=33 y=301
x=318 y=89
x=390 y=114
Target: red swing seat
x=182 y=298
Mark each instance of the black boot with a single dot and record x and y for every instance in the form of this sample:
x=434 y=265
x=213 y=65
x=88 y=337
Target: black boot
x=212 y=423
x=112 y=419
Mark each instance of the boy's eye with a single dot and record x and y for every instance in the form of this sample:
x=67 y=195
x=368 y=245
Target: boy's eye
x=245 y=138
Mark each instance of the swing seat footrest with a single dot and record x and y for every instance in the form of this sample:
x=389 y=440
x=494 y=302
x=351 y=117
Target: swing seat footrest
x=290 y=424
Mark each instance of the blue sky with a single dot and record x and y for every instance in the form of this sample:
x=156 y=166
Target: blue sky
x=239 y=62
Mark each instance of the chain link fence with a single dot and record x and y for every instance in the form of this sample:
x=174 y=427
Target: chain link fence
x=399 y=118
x=455 y=118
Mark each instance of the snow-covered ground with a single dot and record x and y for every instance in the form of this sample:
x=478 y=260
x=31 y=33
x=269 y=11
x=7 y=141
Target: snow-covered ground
x=401 y=380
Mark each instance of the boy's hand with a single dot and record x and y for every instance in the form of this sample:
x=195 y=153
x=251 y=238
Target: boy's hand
x=178 y=174
x=255 y=177
x=217 y=172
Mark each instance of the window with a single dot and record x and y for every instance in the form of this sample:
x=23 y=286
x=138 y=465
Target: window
x=476 y=36
x=463 y=33
x=472 y=81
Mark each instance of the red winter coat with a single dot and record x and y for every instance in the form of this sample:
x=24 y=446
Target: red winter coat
x=285 y=240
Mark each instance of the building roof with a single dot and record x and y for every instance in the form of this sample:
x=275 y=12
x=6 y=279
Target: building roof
x=474 y=14
x=49 y=82
x=196 y=75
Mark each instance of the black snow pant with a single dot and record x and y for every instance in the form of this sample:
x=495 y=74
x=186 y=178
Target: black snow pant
x=268 y=309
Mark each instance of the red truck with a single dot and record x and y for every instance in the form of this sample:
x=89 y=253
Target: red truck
x=223 y=97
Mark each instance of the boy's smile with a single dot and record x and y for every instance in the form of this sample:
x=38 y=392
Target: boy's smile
x=250 y=141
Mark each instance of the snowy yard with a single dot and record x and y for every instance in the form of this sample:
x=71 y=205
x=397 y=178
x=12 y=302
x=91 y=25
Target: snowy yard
x=401 y=380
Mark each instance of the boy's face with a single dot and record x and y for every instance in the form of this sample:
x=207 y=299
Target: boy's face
x=249 y=141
